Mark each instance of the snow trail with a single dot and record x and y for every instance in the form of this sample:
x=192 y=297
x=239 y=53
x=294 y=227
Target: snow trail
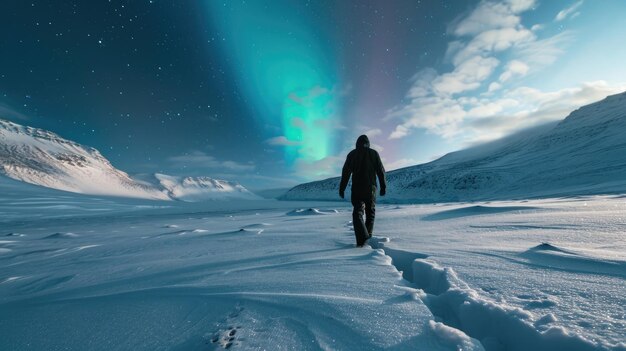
x=496 y=325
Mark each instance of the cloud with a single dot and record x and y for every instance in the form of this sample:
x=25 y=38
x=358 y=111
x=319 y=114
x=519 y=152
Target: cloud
x=401 y=163
x=305 y=98
x=493 y=87
x=9 y=112
x=282 y=141
x=493 y=41
x=467 y=76
x=373 y=132
x=298 y=122
x=330 y=124
x=490 y=15
x=199 y=159
x=438 y=114
x=543 y=52
x=514 y=68
x=329 y=166
x=400 y=132
x=569 y=11
x=526 y=107
x=446 y=103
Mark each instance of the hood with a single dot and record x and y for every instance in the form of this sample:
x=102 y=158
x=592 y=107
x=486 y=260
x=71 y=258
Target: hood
x=362 y=141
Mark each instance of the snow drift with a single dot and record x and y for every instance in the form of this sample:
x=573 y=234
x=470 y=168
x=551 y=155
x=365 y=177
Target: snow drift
x=583 y=154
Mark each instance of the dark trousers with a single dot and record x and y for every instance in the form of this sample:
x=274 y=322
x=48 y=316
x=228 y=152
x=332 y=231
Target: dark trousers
x=364 y=204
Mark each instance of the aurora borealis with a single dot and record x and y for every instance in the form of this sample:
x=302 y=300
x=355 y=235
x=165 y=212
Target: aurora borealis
x=285 y=73
x=274 y=93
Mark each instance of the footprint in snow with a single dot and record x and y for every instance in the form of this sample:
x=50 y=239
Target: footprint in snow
x=226 y=337
x=377 y=242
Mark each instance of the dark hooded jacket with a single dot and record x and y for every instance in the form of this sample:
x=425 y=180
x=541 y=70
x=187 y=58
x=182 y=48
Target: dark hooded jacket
x=364 y=165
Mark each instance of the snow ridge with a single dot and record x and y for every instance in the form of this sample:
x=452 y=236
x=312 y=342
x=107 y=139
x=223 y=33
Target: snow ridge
x=496 y=325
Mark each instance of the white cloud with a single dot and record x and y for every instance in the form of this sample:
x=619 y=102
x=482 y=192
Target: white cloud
x=483 y=110
x=438 y=114
x=400 y=132
x=9 y=112
x=526 y=107
x=491 y=15
x=282 y=141
x=373 y=132
x=467 y=76
x=442 y=103
x=514 y=68
x=569 y=11
x=493 y=41
x=401 y=163
x=326 y=167
x=543 y=52
x=422 y=81
x=493 y=87
x=199 y=159
x=518 y=6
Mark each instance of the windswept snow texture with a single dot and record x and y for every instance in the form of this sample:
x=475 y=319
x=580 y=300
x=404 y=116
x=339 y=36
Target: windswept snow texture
x=43 y=158
x=536 y=275
x=240 y=279
x=583 y=154
x=550 y=275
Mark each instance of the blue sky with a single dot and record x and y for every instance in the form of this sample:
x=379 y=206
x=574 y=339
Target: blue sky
x=511 y=65
x=272 y=94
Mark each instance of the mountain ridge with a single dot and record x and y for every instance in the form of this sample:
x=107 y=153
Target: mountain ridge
x=585 y=153
x=44 y=158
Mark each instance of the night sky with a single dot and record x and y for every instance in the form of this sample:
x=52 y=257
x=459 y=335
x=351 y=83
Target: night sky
x=273 y=93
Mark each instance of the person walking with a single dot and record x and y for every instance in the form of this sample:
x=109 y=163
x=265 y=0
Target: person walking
x=364 y=165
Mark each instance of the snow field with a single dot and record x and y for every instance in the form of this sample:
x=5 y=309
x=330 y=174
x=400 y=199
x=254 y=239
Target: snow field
x=540 y=275
x=497 y=326
x=249 y=280
x=543 y=274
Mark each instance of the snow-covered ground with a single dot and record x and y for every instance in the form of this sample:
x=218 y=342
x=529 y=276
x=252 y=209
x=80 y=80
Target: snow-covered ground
x=536 y=275
x=528 y=275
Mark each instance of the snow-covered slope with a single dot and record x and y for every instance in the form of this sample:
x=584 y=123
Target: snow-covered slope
x=202 y=188
x=43 y=158
x=583 y=154
x=540 y=275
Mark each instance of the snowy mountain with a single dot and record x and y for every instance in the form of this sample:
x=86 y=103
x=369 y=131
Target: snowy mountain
x=195 y=189
x=43 y=158
x=583 y=154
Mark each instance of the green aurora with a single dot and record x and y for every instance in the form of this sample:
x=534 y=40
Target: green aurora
x=284 y=75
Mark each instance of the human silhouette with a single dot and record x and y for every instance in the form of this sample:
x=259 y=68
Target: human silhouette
x=364 y=165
